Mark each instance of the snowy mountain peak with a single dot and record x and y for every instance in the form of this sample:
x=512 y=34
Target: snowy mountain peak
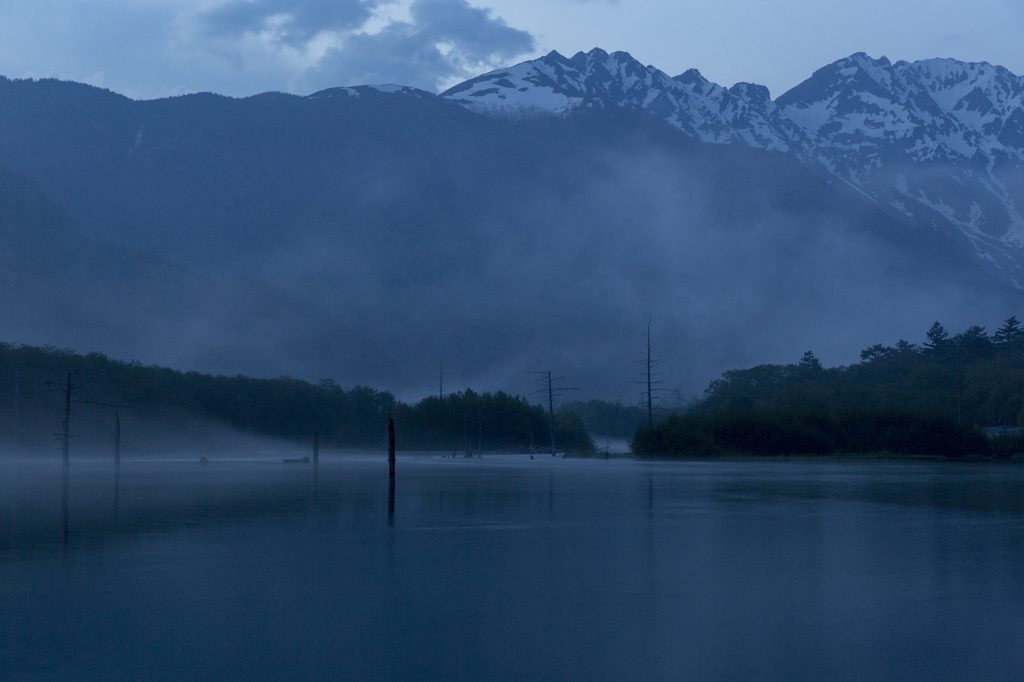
x=939 y=142
x=554 y=85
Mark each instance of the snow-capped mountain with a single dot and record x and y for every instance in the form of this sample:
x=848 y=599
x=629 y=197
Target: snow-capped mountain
x=938 y=142
x=691 y=103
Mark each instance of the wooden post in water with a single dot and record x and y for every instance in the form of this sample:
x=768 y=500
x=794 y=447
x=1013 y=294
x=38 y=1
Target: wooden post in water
x=316 y=447
x=391 y=447
x=117 y=439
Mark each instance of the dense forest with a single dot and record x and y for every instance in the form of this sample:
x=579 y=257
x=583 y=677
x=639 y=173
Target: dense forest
x=970 y=377
x=174 y=408
x=930 y=399
x=469 y=421
x=794 y=432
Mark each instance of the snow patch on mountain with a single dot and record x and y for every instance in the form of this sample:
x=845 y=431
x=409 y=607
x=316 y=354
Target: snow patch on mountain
x=357 y=90
x=937 y=142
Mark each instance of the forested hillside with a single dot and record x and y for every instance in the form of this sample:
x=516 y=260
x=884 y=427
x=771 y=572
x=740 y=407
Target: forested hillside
x=164 y=409
x=908 y=399
x=970 y=376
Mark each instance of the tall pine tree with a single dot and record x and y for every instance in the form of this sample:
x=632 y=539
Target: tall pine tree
x=1010 y=331
x=938 y=339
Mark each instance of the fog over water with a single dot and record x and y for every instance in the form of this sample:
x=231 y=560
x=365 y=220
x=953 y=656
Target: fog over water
x=507 y=568
x=360 y=237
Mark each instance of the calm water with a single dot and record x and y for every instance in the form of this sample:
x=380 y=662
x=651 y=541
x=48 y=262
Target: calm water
x=510 y=569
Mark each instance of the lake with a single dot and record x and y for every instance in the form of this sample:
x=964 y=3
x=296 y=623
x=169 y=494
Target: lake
x=506 y=568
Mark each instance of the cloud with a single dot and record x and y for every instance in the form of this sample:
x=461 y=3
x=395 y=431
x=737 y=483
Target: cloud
x=445 y=40
x=327 y=44
x=292 y=21
x=145 y=48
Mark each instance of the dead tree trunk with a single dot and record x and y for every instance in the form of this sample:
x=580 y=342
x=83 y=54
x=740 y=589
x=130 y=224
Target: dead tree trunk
x=117 y=439
x=316 y=447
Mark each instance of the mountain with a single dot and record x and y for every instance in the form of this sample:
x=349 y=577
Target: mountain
x=63 y=287
x=937 y=143
x=366 y=233
x=555 y=85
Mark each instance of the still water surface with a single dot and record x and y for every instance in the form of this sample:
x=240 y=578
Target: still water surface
x=504 y=568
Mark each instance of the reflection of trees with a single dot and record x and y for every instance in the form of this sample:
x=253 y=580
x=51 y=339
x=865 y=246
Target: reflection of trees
x=92 y=508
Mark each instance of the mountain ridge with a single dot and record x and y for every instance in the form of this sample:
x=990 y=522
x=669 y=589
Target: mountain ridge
x=938 y=143
x=363 y=233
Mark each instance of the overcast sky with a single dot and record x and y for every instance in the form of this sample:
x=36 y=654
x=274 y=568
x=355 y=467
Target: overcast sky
x=154 y=48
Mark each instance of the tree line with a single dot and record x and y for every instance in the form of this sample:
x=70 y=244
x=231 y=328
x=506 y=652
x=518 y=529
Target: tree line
x=284 y=408
x=902 y=398
x=970 y=377
x=467 y=421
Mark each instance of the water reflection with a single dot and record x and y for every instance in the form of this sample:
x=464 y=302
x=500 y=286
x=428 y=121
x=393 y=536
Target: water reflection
x=117 y=486
x=64 y=504
x=625 y=570
x=391 y=500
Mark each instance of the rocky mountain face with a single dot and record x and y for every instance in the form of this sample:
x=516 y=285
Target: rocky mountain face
x=936 y=143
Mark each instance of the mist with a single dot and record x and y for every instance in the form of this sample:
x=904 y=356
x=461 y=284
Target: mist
x=368 y=237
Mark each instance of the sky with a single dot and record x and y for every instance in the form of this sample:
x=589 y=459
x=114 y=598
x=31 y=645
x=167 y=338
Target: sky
x=157 y=48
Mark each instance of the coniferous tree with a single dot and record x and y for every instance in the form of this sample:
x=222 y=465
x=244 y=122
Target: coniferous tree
x=903 y=347
x=974 y=341
x=938 y=339
x=877 y=352
x=1010 y=331
x=809 y=363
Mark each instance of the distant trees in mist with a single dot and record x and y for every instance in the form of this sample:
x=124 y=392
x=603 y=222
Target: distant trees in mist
x=968 y=379
x=467 y=421
x=284 y=408
x=906 y=399
x=605 y=418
